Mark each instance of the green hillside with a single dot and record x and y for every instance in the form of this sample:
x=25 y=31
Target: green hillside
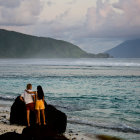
x=18 y=45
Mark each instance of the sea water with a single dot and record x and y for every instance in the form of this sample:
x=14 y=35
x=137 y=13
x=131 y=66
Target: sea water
x=99 y=96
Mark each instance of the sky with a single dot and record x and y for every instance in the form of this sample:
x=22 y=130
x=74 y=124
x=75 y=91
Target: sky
x=93 y=25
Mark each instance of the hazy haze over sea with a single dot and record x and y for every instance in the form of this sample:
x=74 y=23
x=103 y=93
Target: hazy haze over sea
x=99 y=96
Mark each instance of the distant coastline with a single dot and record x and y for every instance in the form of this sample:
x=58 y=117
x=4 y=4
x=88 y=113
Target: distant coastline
x=127 y=49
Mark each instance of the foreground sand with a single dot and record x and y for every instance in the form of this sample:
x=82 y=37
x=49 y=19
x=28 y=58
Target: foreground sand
x=6 y=127
x=10 y=128
x=18 y=129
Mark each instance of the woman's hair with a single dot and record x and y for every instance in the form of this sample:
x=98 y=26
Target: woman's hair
x=40 y=92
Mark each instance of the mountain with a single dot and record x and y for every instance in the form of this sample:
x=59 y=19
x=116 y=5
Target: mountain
x=18 y=45
x=127 y=49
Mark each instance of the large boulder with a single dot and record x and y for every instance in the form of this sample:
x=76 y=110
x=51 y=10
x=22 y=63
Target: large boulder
x=11 y=136
x=33 y=133
x=18 y=113
x=42 y=133
x=55 y=119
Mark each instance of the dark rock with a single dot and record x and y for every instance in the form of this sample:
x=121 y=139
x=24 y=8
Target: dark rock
x=70 y=131
x=55 y=119
x=18 y=113
x=33 y=133
x=3 y=116
x=11 y=136
x=41 y=133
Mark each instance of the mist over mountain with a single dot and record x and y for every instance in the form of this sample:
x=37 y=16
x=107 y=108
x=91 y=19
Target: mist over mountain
x=127 y=49
x=18 y=45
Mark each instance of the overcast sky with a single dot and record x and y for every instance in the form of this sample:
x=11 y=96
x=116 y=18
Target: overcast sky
x=93 y=25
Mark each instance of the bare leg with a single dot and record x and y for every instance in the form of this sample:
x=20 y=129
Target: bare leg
x=28 y=117
x=38 y=116
x=43 y=115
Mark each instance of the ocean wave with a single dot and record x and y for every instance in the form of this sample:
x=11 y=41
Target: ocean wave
x=73 y=62
x=120 y=128
x=67 y=76
x=68 y=108
x=108 y=64
x=6 y=98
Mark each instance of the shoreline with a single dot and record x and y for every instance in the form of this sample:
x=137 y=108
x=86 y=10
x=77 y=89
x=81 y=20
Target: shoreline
x=4 y=128
x=70 y=134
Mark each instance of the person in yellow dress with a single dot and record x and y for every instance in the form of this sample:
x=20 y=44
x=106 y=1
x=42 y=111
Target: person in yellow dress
x=39 y=105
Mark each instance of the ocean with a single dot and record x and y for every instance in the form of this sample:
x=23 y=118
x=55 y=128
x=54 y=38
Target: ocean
x=99 y=96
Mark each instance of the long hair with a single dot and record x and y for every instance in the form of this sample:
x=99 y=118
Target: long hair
x=40 y=92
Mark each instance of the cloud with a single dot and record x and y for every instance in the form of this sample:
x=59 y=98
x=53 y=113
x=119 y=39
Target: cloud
x=77 y=21
x=72 y=2
x=19 y=12
x=105 y=19
x=50 y=3
x=10 y=3
x=120 y=19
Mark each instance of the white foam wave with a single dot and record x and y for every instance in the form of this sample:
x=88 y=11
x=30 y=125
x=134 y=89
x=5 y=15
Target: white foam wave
x=121 y=127
x=7 y=97
x=74 y=62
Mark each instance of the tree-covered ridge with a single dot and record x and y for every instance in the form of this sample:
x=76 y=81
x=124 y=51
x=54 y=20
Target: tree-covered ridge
x=18 y=45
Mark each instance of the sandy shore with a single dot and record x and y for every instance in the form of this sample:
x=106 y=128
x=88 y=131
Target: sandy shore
x=10 y=128
x=6 y=127
x=18 y=129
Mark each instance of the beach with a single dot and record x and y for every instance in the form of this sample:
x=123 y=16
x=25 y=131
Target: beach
x=6 y=127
